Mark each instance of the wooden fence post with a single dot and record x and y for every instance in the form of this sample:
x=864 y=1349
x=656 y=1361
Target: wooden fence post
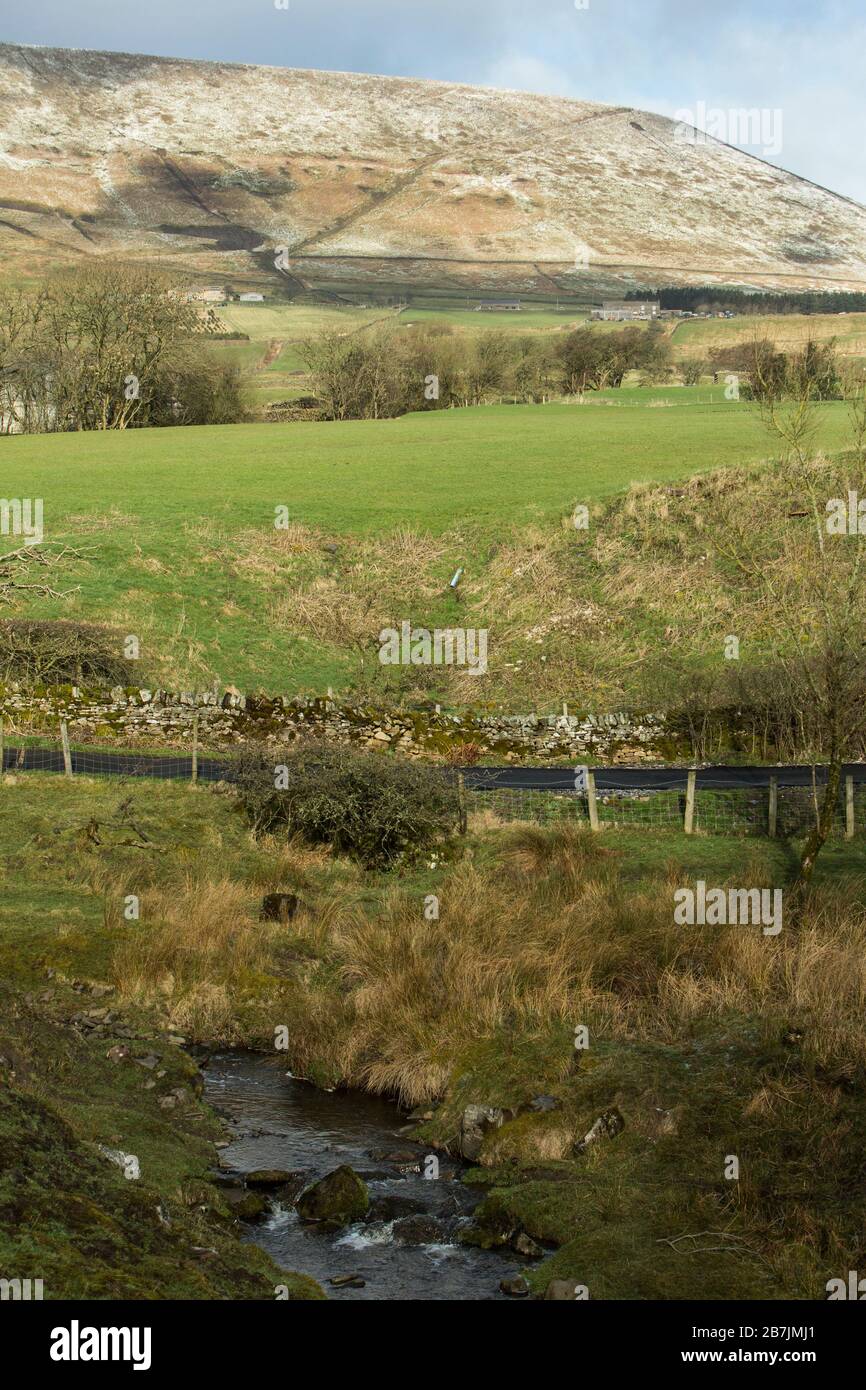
x=67 y=756
x=849 y=808
x=194 y=749
x=592 y=804
x=689 y=822
x=773 y=813
x=2 y=745
x=461 y=802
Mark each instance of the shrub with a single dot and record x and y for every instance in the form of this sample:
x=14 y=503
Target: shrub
x=465 y=754
x=373 y=808
x=57 y=653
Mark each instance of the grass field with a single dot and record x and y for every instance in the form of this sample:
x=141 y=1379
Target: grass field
x=276 y=370
x=495 y=464
x=705 y=1043
x=275 y=331
x=178 y=525
x=511 y=322
x=273 y=359
x=695 y=338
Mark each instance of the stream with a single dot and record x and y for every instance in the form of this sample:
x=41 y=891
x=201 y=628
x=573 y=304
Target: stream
x=406 y=1247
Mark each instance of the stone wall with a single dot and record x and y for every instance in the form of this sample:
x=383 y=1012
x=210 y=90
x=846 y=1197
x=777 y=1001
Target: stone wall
x=131 y=716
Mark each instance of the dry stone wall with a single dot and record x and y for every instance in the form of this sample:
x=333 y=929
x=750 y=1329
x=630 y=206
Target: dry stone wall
x=129 y=716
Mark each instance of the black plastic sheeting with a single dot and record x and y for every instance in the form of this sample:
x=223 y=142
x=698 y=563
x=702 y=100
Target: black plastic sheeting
x=564 y=779
x=542 y=779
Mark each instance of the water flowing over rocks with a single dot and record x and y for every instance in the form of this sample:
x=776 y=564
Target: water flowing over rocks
x=340 y=1197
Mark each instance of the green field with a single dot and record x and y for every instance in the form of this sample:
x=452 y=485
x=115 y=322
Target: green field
x=272 y=358
x=789 y=332
x=276 y=371
x=513 y=322
x=176 y=526
x=493 y=464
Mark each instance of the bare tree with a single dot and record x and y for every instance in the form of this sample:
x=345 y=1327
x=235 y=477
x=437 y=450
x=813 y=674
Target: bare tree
x=108 y=347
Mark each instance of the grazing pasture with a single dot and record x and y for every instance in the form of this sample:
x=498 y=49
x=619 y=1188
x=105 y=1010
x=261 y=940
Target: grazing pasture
x=178 y=543
x=697 y=337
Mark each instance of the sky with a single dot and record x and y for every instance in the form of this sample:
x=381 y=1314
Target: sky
x=796 y=62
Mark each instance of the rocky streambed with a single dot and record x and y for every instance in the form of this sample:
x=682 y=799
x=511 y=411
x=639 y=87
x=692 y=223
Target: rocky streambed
x=394 y=1235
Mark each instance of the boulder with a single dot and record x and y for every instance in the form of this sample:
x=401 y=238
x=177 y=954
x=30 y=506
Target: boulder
x=392 y=1208
x=340 y=1197
x=127 y=1162
x=248 y=1206
x=561 y=1291
x=417 y=1230
x=278 y=907
x=475 y=1121
x=515 y=1288
x=395 y=1155
x=543 y=1104
x=608 y=1125
x=269 y=1177
x=524 y=1245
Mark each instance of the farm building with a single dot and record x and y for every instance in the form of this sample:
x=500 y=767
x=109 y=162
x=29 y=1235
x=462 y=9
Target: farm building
x=499 y=306
x=209 y=296
x=623 y=310
x=250 y=298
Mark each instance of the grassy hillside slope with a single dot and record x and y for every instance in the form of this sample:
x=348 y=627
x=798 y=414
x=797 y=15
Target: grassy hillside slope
x=178 y=545
x=706 y=1042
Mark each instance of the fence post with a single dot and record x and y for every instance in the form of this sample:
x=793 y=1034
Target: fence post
x=689 y=822
x=461 y=801
x=591 y=802
x=774 y=807
x=67 y=756
x=2 y=746
x=194 y=749
x=849 y=808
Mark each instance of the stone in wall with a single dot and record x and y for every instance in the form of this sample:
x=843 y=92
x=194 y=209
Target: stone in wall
x=129 y=715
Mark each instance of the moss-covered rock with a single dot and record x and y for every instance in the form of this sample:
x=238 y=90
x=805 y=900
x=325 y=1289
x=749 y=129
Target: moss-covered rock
x=339 y=1197
x=69 y=1216
x=250 y=1206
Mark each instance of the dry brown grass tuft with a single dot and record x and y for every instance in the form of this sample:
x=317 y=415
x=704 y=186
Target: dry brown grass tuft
x=262 y=551
x=335 y=614
x=545 y=935
x=192 y=953
x=550 y=936
x=405 y=564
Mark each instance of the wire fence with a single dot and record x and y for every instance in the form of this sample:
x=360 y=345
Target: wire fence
x=780 y=803
x=715 y=811
x=101 y=762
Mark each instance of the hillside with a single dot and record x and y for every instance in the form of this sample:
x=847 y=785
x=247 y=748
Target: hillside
x=176 y=541
x=207 y=167
x=701 y=1043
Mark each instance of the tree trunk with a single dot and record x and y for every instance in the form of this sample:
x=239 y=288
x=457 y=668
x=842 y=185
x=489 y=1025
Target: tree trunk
x=820 y=831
